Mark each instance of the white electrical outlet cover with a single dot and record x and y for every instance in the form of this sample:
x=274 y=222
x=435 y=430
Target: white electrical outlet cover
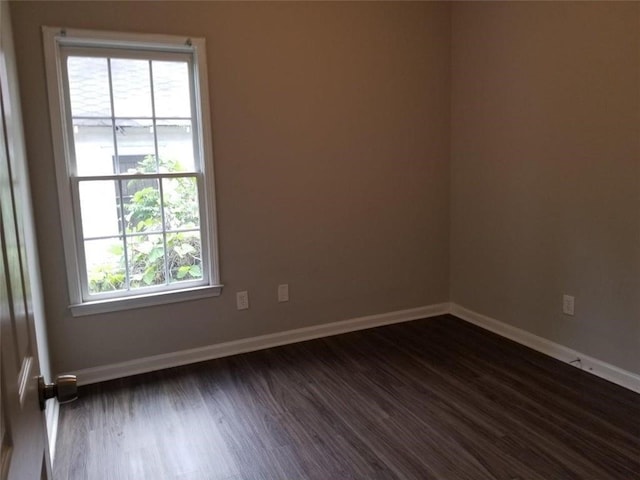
x=242 y=300
x=283 y=293
x=568 y=304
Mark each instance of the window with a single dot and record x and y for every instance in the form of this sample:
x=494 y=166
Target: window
x=134 y=168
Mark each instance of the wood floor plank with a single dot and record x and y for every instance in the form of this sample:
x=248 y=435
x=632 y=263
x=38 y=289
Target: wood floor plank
x=478 y=439
x=433 y=399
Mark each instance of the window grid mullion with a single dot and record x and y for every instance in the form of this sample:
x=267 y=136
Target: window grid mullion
x=164 y=233
x=139 y=176
x=142 y=234
x=153 y=118
x=116 y=169
x=127 y=282
x=160 y=182
x=137 y=117
x=116 y=165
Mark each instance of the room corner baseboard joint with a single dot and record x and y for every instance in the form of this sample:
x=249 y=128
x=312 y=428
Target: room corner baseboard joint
x=560 y=352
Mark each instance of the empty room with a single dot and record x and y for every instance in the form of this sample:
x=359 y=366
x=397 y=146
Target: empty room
x=320 y=240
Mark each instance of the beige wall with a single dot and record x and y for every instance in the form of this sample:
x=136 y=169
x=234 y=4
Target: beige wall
x=546 y=170
x=331 y=139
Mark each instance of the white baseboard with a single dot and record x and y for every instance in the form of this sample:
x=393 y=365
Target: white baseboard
x=175 y=359
x=52 y=413
x=158 y=362
x=589 y=364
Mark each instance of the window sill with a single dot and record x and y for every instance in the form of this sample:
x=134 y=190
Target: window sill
x=142 y=301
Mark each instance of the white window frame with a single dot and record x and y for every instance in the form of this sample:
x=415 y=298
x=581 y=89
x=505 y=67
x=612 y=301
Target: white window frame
x=55 y=40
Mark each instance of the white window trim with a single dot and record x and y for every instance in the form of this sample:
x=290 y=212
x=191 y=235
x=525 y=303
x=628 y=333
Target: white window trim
x=54 y=38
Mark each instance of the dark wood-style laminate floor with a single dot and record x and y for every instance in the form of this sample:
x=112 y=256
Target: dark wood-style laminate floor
x=431 y=399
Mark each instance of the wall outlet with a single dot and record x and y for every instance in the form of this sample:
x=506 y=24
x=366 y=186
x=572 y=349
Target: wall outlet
x=568 y=304
x=242 y=300
x=283 y=293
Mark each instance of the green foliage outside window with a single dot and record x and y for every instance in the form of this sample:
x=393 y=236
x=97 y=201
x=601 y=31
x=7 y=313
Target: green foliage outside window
x=145 y=242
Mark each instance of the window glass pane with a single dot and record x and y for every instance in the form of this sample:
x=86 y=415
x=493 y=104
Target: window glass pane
x=181 y=208
x=135 y=138
x=185 y=256
x=89 y=87
x=171 y=89
x=105 y=265
x=93 y=142
x=175 y=145
x=99 y=205
x=146 y=260
x=131 y=87
x=141 y=200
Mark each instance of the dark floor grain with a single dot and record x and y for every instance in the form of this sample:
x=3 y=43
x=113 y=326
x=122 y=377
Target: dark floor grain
x=431 y=399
